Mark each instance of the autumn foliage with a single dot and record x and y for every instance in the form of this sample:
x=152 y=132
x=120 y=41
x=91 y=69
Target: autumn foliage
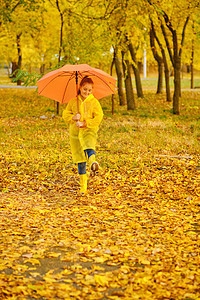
x=135 y=235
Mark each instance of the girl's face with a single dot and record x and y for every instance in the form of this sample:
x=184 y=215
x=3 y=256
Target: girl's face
x=86 y=90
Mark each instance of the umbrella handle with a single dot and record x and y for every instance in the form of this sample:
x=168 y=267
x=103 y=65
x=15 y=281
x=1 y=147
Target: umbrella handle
x=77 y=104
x=77 y=92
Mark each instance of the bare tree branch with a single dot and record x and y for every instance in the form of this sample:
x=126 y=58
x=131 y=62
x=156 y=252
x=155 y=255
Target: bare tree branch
x=183 y=35
x=16 y=5
x=167 y=42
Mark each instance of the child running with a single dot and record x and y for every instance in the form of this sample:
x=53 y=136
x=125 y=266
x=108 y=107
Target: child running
x=83 y=129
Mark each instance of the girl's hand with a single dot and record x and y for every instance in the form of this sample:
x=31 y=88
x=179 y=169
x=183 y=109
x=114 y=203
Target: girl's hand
x=76 y=117
x=81 y=124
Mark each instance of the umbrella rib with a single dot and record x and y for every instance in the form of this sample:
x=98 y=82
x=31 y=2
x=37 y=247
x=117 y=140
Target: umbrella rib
x=59 y=75
x=95 y=75
x=71 y=77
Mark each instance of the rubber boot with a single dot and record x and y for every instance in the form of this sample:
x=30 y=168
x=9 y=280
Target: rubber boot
x=83 y=183
x=94 y=166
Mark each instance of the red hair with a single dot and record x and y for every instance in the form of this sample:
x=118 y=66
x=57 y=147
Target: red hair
x=85 y=80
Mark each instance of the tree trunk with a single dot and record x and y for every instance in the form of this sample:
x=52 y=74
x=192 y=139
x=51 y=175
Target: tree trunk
x=192 y=69
x=177 y=74
x=166 y=69
x=167 y=75
x=177 y=85
x=167 y=84
x=113 y=103
x=158 y=58
x=111 y=72
x=61 y=30
x=14 y=68
x=19 y=51
x=122 y=100
x=176 y=61
x=42 y=69
x=192 y=62
x=61 y=40
x=128 y=84
x=136 y=70
x=160 y=77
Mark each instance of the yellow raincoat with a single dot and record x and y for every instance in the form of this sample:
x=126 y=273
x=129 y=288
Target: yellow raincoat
x=83 y=138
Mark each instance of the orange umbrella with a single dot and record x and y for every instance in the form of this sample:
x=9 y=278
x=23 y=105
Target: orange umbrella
x=62 y=84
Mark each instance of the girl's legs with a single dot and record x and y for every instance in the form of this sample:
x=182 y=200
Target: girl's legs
x=94 y=166
x=82 y=168
x=83 y=177
x=91 y=155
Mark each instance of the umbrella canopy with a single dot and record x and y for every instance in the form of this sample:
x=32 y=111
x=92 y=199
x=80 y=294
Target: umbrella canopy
x=62 y=84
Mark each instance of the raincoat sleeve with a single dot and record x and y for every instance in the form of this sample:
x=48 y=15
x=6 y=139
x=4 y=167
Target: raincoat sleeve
x=97 y=116
x=68 y=113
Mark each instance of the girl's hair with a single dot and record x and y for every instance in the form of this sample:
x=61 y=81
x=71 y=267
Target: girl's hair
x=85 y=80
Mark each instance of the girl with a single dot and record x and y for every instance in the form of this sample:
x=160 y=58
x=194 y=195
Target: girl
x=83 y=129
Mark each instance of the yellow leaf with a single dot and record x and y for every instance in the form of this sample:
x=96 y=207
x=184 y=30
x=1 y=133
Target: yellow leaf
x=101 y=279
x=67 y=272
x=151 y=183
x=99 y=259
x=53 y=254
x=191 y=296
x=144 y=261
x=119 y=207
x=33 y=261
x=125 y=269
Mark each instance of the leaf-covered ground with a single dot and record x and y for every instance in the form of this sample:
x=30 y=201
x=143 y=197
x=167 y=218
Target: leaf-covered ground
x=135 y=235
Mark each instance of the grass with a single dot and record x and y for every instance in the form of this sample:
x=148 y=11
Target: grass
x=150 y=83
x=4 y=79
x=31 y=130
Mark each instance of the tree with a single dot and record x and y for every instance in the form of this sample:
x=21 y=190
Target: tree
x=128 y=82
x=119 y=77
x=19 y=17
x=126 y=35
x=120 y=23
x=158 y=58
x=191 y=57
x=61 y=15
x=161 y=60
x=135 y=69
x=195 y=45
x=174 y=19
